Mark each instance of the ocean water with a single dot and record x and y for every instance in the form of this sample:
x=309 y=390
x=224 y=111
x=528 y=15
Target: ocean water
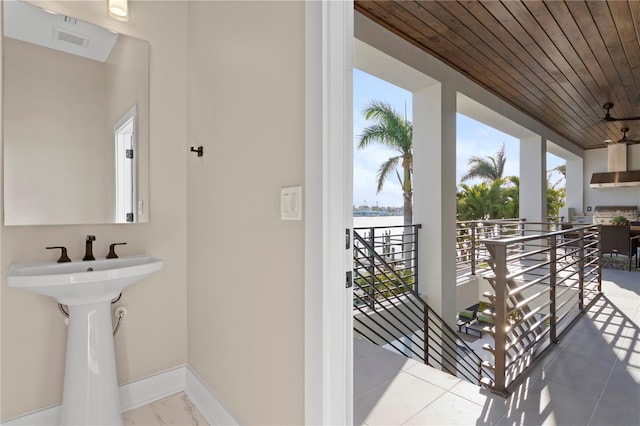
x=369 y=221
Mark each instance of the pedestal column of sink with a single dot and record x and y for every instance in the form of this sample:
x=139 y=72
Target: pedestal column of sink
x=90 y=379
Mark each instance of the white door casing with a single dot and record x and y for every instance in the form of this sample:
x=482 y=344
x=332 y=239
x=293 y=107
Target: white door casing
x=328 y=212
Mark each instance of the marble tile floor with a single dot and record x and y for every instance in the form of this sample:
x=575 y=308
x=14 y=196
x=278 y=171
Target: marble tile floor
x=176 y=409
x=591 y=378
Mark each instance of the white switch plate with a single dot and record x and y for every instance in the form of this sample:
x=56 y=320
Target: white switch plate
x=291 y=203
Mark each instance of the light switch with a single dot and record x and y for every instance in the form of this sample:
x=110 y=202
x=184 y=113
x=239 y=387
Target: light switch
x=291 y=203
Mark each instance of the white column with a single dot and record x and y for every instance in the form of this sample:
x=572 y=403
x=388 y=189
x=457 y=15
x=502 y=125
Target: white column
x=434 y=195
x=575 y=185
x=533 y=179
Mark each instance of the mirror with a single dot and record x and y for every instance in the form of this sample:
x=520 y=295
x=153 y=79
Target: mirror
x=76 y=121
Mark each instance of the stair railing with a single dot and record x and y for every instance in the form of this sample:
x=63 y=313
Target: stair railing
x=541 y=283
x=389 y=311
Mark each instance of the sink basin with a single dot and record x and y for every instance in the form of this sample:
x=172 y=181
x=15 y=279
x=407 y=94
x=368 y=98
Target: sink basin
x=82 y=281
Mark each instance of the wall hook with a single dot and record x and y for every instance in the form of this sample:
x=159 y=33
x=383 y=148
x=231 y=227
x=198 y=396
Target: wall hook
x=200 y=150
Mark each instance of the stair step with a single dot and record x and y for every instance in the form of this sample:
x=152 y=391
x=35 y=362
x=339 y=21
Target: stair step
x=488 y=347
x=487 y=383
x=488 y=365
x=489 y=330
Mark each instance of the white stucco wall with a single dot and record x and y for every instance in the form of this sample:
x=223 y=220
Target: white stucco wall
x=595 y=160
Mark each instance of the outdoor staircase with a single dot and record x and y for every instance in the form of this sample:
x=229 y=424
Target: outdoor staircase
x=389 y=311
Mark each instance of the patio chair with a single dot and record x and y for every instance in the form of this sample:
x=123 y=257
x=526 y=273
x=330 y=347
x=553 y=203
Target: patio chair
x=474 y=327
x=617 y=239
x=569 y=240
x=464 y=318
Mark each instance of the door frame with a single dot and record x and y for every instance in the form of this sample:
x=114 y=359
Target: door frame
x=328 y=211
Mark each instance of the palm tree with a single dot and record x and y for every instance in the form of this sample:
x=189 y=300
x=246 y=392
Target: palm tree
x=488 y=169
x=511 y=192
x=481 y=201
x=562 y=169
x=556 y=198
x=393 y=131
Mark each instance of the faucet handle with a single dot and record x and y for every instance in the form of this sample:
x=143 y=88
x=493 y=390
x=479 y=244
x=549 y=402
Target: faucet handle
x=112 y=250
x=63 y=254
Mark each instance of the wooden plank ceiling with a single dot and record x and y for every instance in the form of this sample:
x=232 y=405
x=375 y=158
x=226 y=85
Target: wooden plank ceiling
x=557 y=61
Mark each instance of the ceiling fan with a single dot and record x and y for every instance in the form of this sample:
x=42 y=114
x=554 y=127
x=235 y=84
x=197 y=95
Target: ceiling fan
x=624 y=139
x=607 y=116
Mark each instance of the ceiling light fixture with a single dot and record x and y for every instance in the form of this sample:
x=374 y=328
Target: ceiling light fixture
x=118 y=9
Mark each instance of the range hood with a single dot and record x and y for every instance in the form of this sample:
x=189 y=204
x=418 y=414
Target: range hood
x=617 y=175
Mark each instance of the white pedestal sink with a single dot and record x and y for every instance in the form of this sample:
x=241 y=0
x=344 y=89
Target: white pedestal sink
x=90 y=381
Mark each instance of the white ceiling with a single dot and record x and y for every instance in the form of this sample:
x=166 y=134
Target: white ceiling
x=28 y=23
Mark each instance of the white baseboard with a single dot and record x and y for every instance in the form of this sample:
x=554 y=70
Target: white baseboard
x=206 y=400
x=153 y=388
x=44 y=417
x=147 y=390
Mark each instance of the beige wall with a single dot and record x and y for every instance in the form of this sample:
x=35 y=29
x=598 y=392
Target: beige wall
x=153 y=336
x=236 y=288
x=245 y=268
x=55 y=89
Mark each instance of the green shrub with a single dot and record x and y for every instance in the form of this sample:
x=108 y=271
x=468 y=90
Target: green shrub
x=386 y=284
x=620 y=221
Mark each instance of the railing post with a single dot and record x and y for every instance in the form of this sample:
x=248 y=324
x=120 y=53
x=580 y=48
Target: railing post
x=372 y=269
x=473 y=248
x=581 y=270
x=416 y=260
x=552 y=284
x=500 y=319
x=599 y=228
x=427 y=336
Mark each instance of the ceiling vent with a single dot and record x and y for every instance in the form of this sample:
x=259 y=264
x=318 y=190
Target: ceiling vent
x=67 y=36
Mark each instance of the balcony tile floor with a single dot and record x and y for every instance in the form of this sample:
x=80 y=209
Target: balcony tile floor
x=592 y=377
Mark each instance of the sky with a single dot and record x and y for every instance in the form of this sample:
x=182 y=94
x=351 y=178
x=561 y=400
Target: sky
x=473 y=139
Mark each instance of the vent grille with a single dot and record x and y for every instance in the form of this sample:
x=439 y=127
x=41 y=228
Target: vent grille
x=70 y=37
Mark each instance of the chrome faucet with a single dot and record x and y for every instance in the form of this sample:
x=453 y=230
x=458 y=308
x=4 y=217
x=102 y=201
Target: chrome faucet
x=88 y=254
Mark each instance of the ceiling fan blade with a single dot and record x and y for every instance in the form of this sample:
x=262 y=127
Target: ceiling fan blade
x=607 y=106
x=608 y=119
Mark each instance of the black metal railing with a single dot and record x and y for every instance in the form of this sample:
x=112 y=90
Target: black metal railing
x=389 y=311
x=396 y=246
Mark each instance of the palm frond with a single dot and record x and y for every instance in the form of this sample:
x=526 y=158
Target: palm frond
x=385 y=169
x=488 y=168
x=389 y=128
